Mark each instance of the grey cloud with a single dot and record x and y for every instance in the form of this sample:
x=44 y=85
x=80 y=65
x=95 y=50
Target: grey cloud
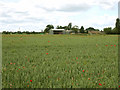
x=5 y=15
x=46 y=9
x=112 y=5
x=75 y=8
x=68 y=8
x=103 y=25
x=34 y=19
x=11 y=21
x=105 y=2
x=1 y=5
x=26 y=20
x=23 y=13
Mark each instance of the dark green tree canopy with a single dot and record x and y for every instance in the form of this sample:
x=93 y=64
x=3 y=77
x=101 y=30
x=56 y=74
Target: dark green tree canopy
x=117 y=25
x=75 y=28
x=48 y=27
x=90 y=29
x=69 y=26
x=108 y=30
x=82 y=29
x=62 y=27
x=59 y=27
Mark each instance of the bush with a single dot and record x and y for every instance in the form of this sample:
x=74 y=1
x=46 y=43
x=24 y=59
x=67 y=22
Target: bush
x=108 y=30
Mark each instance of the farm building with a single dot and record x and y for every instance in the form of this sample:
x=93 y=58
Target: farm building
x=94 y=32
x=57 y=31
x=60 y=31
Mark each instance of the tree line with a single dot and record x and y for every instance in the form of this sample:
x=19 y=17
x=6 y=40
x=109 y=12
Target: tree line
x=115 y=30
x=20 y=32
x=74 y=28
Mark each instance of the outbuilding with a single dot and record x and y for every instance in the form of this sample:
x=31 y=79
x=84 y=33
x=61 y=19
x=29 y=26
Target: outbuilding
x=57 y=31
x=94 y=32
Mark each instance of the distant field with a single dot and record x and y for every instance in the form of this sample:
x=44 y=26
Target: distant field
x=59 y=61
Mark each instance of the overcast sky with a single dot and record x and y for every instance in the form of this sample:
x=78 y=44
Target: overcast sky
x=34 y=15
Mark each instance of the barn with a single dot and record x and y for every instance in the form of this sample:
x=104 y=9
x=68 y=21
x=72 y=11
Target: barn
x=57 y=31
x=94 y=32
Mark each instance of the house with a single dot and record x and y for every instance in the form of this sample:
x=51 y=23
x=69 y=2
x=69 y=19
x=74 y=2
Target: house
x=94 y=32
x=57 y=31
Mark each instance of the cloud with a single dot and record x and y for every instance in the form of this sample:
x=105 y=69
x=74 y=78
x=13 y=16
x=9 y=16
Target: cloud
x=75 y=8
x=106 y=4
x=11 y=21
x=67 y=8
x=22 y=13
x=5 y=15
x=119 y=9
x=104 y=21
x=26 y=20
x=39 y=13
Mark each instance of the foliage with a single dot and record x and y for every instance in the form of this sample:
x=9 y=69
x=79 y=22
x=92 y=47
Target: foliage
x=82 y=29
x=69 y=26
x=75 y=28
x=20 y=32
x=114 y=31
x=59 y=27
x=90 y=29
x=97 y=30
x=108 y=30
x=62 y=27
x=117 y=25
x=48 y=27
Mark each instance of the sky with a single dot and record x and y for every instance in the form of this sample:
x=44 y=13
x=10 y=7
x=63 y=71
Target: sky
x=35 y=15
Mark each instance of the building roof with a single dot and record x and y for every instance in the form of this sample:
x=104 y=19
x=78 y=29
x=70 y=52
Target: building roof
x=94 y=32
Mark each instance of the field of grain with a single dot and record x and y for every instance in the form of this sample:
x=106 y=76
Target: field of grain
x=59 y=61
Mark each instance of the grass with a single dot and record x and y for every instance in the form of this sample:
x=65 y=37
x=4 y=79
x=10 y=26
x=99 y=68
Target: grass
x=25 y=58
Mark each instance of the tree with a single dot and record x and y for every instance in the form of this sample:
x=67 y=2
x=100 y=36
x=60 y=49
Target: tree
x=90 y=29
x=75 y=28
x=108 y=30
x=58 y=27
x=97 y=30
x=117 y=25
x=33 y=32
x=27 y=32
x=48 y=27
x=69 y=26
x=66 y=28
x=114 y=31
x=82 y=29
x=62 y=27
x=4 y=32
x=19 y=32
